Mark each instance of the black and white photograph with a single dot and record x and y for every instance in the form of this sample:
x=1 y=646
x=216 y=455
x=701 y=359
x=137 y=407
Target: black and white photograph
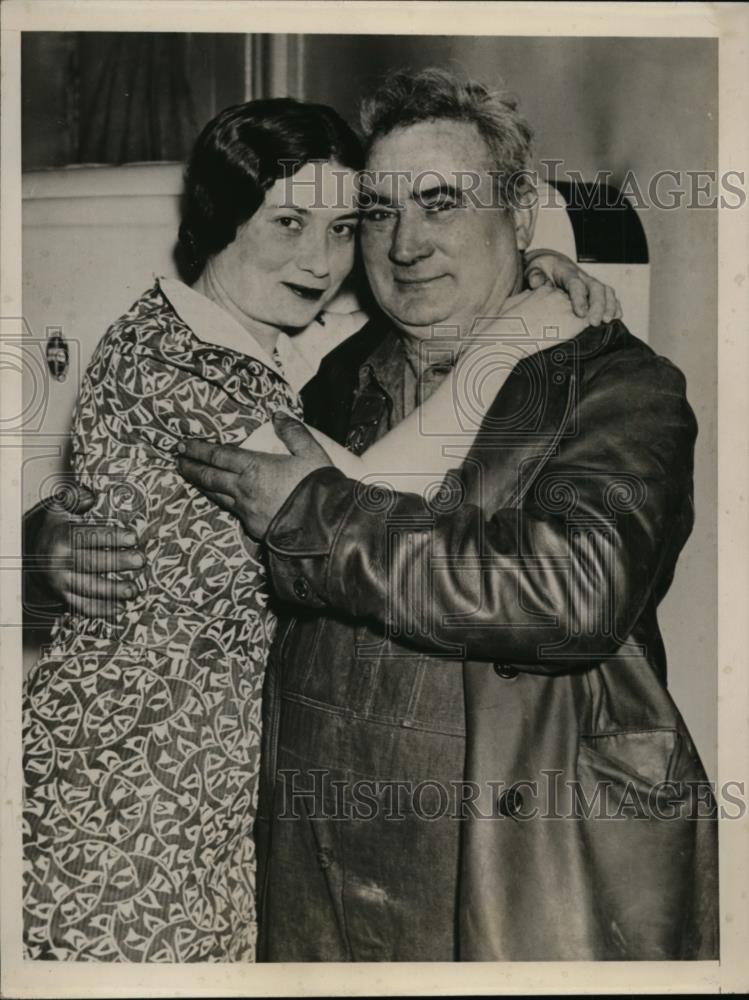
x=374 y=498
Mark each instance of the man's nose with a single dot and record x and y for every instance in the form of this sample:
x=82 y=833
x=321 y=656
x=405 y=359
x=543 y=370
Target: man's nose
x=411 y=241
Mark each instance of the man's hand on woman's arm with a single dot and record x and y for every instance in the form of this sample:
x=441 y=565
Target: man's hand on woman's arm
x=69 y=560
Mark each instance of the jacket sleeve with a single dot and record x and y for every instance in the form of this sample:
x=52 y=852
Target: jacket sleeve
x=555 y=580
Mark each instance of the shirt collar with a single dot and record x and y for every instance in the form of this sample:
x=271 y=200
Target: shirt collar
x=427 y=358
x=213 y=325
x=386 y=362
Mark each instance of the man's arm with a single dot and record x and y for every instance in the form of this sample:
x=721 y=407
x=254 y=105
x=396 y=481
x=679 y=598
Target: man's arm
x=557 y=582
x=40 y=594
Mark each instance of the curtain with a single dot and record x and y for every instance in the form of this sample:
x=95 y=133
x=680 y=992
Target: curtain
x=136 y=101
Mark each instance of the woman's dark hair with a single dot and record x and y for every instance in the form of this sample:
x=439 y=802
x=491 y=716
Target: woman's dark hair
x=241 y=153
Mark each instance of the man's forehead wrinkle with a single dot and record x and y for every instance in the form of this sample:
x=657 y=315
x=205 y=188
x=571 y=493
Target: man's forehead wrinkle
x=430 y=139
x=427 y=153
x=425 y=179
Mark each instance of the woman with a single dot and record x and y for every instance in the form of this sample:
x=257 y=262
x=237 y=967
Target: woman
x=142 y=734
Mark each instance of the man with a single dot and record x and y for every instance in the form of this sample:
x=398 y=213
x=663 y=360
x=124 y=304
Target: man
x=469 y=749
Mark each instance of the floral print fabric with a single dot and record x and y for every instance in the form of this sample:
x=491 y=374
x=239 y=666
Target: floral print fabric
x=142 y=733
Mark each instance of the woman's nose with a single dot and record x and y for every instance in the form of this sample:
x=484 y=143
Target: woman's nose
x=411 y=241
x=314 y=259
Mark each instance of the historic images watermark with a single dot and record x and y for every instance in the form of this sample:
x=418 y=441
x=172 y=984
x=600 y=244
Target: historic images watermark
x=317 y=793
x=666 y=190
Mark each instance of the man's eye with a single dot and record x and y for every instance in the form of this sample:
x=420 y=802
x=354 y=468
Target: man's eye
x=440 y=205
x=378 y=215
x=290 y=223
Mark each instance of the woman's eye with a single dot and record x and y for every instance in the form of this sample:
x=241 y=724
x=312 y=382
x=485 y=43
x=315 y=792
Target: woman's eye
x=290 y=223
x=343 y=229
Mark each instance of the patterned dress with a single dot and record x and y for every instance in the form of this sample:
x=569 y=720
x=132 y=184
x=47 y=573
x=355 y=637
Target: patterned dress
x=141 y=735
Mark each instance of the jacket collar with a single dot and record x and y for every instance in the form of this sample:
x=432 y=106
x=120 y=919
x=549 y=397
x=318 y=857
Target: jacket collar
x=557 y=375
x=594 y=341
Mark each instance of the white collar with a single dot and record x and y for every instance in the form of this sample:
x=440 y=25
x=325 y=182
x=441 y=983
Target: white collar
x=213 y=325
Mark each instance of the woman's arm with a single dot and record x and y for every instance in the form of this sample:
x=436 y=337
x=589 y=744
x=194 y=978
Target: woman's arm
x=591 y=299
x=74 y=573
x=414 y=452
x=437 y=435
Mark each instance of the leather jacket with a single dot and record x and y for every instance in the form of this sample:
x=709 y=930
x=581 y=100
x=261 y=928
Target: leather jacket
x=591 y=831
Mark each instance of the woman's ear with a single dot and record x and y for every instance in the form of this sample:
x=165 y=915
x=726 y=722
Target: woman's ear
x=524 y=213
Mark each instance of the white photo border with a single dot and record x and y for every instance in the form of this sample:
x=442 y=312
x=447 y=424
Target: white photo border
x=730 y=24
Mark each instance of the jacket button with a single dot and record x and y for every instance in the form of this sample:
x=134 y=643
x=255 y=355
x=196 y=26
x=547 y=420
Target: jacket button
x=510 y=802
x=301 y=588
x=505 y=671
x=324 y=859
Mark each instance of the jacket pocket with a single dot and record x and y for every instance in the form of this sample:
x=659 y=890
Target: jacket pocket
x=652 y=867
x=644 y=757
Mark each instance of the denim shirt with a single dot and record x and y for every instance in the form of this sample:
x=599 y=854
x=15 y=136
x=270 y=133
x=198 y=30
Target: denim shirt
x=392 y=382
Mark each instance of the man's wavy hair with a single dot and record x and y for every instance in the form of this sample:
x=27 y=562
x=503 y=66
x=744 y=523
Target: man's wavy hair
x=408 y=97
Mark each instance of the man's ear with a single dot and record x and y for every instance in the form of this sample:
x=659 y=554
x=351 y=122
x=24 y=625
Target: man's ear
x=524 y=214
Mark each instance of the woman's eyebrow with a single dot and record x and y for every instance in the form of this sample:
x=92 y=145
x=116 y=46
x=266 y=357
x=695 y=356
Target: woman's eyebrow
x=349 y=214
x=290 y=206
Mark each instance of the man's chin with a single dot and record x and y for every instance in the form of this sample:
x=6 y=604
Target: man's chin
x=418 y=320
